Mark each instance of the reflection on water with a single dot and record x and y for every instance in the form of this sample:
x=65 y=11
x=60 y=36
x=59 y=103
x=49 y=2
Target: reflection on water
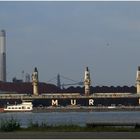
x=79 y=118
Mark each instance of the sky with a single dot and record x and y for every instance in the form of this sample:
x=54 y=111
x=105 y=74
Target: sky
x=66 y=37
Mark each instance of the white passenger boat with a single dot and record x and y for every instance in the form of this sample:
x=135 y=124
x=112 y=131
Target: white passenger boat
x=111 y=107
x=23 y=107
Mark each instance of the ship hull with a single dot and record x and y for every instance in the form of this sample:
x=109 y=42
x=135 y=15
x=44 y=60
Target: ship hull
x=87 y=102
x=122 y=101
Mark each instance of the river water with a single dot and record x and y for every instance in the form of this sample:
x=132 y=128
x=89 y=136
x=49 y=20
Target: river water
x=78 y=118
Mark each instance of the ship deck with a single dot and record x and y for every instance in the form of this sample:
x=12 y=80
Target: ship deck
x=66 y=95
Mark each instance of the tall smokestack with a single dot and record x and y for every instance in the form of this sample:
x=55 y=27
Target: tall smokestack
x=138 y=80
x=2 y=56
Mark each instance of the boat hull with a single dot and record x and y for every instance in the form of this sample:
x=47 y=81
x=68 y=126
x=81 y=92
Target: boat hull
x=17 y=111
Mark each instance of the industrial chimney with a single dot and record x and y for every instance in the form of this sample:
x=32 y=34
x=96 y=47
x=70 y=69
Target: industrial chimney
x=138 y=80
x=2 y=56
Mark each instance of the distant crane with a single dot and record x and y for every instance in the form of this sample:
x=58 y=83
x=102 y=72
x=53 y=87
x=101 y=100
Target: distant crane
x=27 y=77
x=22 y=74
x=58 y=81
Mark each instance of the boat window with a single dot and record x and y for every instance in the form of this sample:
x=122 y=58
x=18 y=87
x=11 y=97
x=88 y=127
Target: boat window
x=23 y=107
x=12 y=107
x=19 y=107
x=28 y=107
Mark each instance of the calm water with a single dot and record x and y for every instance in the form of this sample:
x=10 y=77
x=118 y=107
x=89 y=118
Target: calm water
x=80 y=118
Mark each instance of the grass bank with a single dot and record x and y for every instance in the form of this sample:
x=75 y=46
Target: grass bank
x=8 y=125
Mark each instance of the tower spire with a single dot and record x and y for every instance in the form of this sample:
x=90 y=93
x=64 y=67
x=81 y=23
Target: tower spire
x=58 y=81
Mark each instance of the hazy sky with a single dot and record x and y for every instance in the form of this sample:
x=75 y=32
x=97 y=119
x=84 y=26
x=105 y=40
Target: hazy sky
x=65 y=37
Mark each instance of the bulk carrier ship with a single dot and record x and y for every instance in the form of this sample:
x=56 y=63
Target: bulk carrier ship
x=73 y=100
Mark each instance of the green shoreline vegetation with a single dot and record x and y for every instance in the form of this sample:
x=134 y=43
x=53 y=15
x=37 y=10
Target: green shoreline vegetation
x=9 y=125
